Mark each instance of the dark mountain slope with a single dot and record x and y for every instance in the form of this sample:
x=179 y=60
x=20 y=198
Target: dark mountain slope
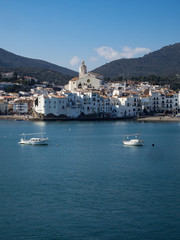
x=11 y=60
x=165 y=61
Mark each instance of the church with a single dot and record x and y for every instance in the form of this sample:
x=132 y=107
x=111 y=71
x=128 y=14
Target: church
x=86 y=80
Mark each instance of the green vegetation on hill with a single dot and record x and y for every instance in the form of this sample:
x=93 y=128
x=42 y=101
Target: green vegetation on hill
x=40 y=74
x=164 y=62
x=173 y=82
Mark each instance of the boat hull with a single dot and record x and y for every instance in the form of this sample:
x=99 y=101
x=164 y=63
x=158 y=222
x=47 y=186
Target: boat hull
x=133 y=143
x=29 y=142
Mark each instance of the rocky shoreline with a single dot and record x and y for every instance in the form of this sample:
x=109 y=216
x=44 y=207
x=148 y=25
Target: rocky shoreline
x=17 y=117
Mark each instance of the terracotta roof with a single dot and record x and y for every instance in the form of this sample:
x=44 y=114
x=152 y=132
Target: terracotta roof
x=96 y=74
x=74 y=79
x=21 y=101
x=134 y=93
x=57 y=96
x=8 y=97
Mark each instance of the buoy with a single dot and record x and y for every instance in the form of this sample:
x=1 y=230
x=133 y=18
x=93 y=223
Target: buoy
x=153 y=144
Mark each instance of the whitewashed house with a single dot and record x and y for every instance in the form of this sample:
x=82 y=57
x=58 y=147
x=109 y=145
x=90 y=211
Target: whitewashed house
x=56 y=105
x=51 y=104
x=155 y=101
x=169 y=102
x=145 y=104
x=20 y=106
x=128 y=106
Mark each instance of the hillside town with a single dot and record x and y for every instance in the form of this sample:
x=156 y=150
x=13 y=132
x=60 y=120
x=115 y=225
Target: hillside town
x=88 y=96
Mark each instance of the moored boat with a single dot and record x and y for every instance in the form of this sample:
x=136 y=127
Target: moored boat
x=34 y=140
x=136 y=141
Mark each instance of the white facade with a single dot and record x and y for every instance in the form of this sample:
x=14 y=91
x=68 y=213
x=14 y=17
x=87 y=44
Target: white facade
x=20 y=107
x=145 y=104
x=164 y=101
x=169 y=102
x=56 y=105
x=129 y=106
x=85 y=80
x=178 y=100
x=92 y=103
x=155 y=101
x=112 y=102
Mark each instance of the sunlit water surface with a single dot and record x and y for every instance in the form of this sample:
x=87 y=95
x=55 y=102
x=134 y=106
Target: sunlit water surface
x=86 y=185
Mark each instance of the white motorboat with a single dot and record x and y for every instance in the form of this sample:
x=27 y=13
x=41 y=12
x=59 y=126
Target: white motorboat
x=34 y=140
x=134 y=141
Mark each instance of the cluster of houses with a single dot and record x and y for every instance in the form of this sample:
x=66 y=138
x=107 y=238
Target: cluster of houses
x=88 y=96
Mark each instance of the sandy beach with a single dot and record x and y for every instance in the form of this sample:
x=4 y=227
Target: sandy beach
x=159 y=119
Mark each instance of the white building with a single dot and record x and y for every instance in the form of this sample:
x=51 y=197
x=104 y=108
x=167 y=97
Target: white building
x=164 y=101
x=20 y=106
x=56 y=105
x=85 y=80
x=86 y=102
x=129 y=106
x=169 y=102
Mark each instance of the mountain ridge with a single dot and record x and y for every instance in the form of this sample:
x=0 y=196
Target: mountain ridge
x=165 y=61
x=11 y=60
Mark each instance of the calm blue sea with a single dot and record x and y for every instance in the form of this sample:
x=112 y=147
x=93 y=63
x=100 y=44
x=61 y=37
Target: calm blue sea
x=85 y=185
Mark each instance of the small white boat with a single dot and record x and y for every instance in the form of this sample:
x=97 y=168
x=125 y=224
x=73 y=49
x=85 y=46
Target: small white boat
x=136 y=141
x=33 y=141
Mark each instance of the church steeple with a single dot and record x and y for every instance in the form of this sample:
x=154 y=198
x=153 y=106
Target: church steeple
x=82 y=70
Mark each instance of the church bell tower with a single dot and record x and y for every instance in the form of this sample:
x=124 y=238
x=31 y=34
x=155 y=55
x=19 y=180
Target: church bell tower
x=82 y=70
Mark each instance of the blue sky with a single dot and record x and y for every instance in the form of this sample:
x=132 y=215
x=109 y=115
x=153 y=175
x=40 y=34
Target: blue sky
x=65 y=32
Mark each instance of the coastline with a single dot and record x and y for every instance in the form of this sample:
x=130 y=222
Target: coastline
x=140 y=119
x=31 y=118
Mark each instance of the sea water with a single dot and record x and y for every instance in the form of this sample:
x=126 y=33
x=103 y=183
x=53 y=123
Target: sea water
x=87 y=185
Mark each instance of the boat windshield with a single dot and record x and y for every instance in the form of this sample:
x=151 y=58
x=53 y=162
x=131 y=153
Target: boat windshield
x=35 y=139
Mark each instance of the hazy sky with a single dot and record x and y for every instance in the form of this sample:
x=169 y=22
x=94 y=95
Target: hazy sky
x=65 y=32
